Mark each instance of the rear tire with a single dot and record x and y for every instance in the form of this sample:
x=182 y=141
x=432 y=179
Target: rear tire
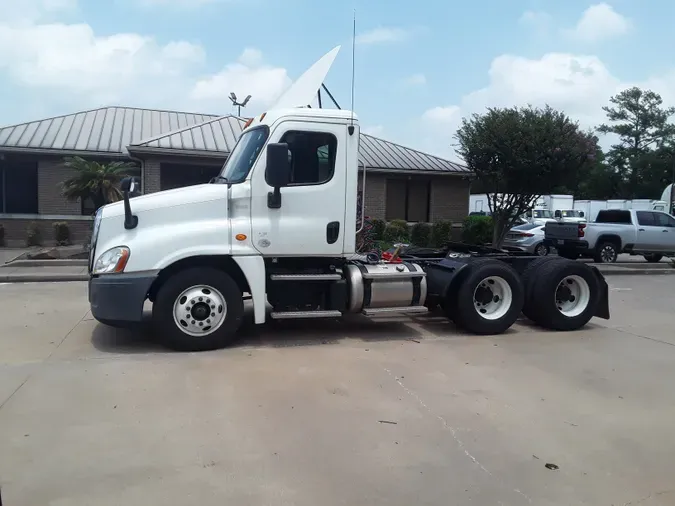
x=565 y=295
x=530 y=277
x=488 y=300
x=198 y=309
x=653 y=258
x=542 y=250
x=606 y=253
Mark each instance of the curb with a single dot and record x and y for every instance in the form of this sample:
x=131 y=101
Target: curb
x=637 y=272
x=42 y=278
x=61 y=262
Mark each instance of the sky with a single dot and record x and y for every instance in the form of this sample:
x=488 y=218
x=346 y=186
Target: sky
x=419 y=68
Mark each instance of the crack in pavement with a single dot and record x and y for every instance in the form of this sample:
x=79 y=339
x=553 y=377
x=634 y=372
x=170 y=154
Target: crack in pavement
x=453 y=432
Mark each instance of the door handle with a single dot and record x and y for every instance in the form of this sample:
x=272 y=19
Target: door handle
x=332 y=232
x=641 y=229
x=664 y=231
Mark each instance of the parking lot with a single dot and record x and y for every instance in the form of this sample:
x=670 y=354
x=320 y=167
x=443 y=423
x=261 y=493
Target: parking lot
x=407 y=411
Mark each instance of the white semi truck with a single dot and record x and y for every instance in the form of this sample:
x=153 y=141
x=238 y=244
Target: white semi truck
x=279 y=226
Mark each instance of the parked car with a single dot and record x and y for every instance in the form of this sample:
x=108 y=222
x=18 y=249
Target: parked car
x=647 y=233
x=528 y=238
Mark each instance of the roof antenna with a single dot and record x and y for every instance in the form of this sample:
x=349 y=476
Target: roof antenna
x=351 y=127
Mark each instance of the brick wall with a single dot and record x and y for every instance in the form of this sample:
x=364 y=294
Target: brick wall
x=376 y=194
x=15 y=230
x=51 y=173
x=151 y=176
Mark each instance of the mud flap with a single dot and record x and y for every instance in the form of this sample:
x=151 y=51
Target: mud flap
x=602 y=309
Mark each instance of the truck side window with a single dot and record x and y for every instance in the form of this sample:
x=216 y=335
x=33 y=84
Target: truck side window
x=312 y=156
x=646 y=218
x=663 y=220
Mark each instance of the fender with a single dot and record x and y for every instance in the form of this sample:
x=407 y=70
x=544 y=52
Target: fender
x=253 y=268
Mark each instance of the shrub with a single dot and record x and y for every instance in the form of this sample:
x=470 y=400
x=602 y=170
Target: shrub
x=33 y=235
x=420 y=234
x=396 y=231
x=477 y=230
x=379 y=227
x=441 y=233
x=2 y=234
x=61 y=233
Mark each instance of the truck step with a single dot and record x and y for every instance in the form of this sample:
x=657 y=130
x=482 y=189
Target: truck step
x=389 y=310
x=305 y=277
x=291 y=315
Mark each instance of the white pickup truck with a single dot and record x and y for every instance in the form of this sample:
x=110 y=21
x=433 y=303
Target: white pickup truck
x=647 y=233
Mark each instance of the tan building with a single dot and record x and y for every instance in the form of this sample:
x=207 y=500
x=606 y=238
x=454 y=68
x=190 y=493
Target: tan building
x=174 y=149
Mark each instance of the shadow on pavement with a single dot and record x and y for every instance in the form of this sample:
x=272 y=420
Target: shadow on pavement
x=281 y=334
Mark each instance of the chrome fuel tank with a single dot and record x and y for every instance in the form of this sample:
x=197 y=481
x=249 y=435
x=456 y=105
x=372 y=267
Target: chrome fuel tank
x=374 y=286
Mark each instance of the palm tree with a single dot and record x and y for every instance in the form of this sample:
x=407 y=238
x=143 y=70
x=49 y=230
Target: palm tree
x=96 y=181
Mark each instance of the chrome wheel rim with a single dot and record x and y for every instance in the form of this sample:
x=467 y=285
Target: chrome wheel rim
x=200 y=310
x=572 y=296
x=492 y=298
x=608 y=254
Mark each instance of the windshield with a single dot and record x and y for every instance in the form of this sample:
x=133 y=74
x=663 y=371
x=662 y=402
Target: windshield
x=244 y=155
x=538 y=213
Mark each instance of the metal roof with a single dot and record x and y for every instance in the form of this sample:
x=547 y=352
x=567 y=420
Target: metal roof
x=107 y=130
x=217 y=135
x=375 y=153
x=118 y=130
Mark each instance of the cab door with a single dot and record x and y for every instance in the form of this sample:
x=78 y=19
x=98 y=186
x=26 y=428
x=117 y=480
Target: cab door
x=650 y=236
x=310 y=220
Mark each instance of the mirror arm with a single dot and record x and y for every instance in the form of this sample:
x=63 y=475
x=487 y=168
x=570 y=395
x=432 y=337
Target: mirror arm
x=274 y=198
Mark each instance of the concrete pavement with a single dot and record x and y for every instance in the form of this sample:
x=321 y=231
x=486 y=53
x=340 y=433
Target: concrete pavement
x=408 y=411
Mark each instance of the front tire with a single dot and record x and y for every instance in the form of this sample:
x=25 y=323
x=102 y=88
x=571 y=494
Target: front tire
x=198 y=309
x=565 y=296
x=489 y=299
x=653 y=258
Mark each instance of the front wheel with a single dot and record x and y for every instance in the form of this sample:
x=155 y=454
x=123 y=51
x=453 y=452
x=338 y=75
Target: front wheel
x=489 y=299
x=198 y=309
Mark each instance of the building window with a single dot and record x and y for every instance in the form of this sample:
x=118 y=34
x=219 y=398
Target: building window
x=18 y=187
x=312 y=156
x=408 y=199
x=178 y=175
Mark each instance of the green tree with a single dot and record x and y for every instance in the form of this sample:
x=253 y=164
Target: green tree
x=94 y=180
x=641 y=123
x=521 y=153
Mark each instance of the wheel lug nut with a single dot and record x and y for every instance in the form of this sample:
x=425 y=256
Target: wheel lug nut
x=193 y=322
x=208 y=301
x=201 y=324
x=201 y=299
x=213 y=306
x=208 y=321
x=213 y=314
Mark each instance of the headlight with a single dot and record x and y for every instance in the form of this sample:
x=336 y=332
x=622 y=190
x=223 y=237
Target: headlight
x=113 y=260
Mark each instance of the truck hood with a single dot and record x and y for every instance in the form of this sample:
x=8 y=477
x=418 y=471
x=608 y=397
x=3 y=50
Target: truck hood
x=169 y=198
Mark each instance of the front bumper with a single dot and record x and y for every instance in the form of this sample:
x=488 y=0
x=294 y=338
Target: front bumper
x=118 y=299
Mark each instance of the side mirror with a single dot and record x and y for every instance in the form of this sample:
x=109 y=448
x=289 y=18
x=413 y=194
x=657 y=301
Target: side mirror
x=128 y=185
x=557 y=214
x=277 y=172
x=582 y=214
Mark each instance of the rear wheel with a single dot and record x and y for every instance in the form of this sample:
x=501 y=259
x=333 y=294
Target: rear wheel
x=565 y=295
x=488 y=300
x=530 y=278
x=541 y=250
x=198 y=309
x=653 y=257
x=606 y=253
